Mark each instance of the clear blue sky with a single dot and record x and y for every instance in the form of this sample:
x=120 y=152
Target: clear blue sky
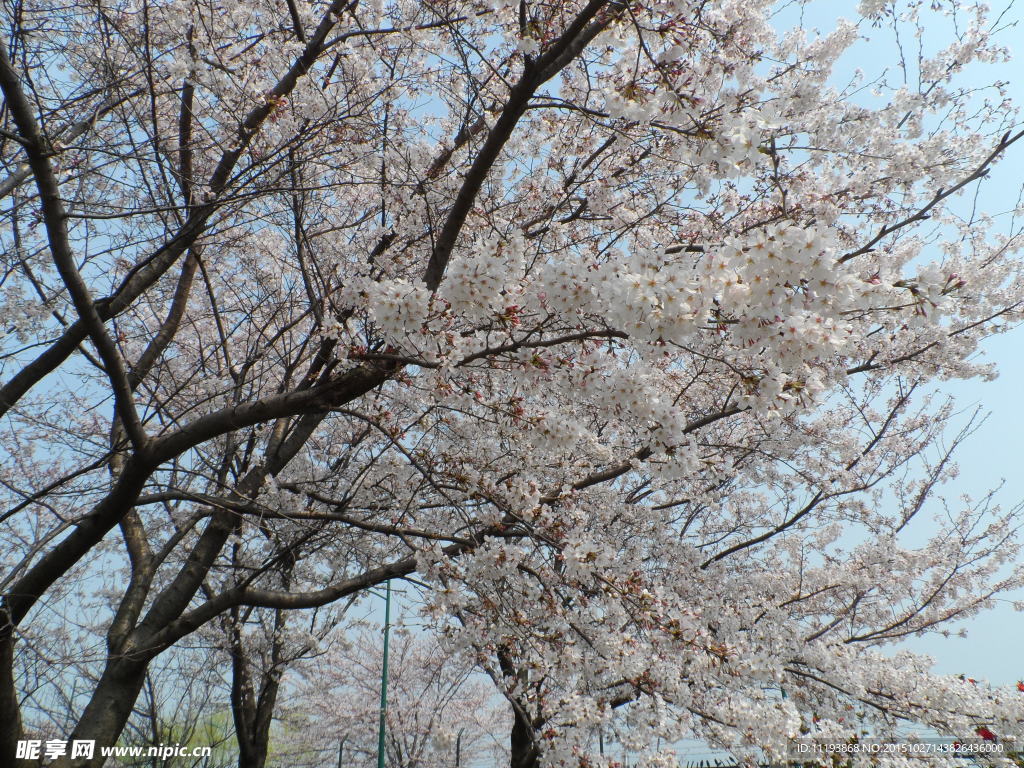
x=994 y=647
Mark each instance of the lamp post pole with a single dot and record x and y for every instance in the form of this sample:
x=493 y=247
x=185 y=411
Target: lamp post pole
x=384 y=680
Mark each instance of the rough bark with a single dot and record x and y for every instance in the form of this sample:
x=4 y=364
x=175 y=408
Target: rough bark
x=108 y=710
x=522 y=741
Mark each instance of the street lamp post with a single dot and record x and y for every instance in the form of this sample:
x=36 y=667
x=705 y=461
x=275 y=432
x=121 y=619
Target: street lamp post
x=384 y=680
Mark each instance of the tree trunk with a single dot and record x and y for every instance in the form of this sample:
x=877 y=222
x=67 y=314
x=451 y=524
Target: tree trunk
x=252 y=713
x=10 y=711
x=523 y=742
x=108 y=710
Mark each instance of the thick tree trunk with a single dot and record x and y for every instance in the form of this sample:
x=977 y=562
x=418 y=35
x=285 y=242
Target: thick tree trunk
x=252 y=751
x=523 y=742
x=10 y=711
x=108 y=710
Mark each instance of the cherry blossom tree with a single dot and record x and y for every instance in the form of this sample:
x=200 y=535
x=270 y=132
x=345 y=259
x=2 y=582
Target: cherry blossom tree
x=437 y=708
x=612 y=325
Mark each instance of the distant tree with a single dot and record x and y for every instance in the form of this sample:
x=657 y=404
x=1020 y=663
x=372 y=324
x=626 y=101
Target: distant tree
x=437 y=704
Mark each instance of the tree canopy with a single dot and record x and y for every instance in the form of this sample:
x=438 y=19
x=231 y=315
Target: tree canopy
x=608 y=325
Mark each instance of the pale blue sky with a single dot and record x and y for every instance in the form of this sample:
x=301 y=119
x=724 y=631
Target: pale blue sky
x=994 y=647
